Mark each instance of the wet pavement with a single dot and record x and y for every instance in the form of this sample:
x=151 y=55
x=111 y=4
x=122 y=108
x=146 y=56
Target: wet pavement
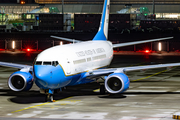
x=153 y=94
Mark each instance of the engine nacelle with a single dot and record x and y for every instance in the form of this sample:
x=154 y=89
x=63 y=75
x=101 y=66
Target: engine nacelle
x=20 y=81
x=117 y=83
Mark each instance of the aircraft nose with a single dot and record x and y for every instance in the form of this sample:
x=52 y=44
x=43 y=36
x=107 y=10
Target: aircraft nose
x=49 y=77
x=42 y=75
x=41 y=72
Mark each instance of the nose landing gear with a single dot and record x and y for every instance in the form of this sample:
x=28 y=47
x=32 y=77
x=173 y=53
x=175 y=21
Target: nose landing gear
x=49 y=98
x=49 y=94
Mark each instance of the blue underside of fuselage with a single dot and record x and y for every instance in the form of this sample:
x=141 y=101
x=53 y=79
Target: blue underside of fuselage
x=51 y=77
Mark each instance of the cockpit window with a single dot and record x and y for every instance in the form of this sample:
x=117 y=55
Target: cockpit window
x=55 y=63
x=46 y=63
x=38 y=63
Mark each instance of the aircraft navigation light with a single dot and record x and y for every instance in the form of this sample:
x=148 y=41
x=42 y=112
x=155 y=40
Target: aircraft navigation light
x=28 y=49
x=13 y=44
x=160 y=46
x=147 y=51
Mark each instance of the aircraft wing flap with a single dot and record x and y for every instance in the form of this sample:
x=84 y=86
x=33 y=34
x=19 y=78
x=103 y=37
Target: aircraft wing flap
x=101 y=72
x=139 y=42
x=14 y=65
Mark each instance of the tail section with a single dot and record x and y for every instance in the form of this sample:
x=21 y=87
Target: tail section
x=102 y=34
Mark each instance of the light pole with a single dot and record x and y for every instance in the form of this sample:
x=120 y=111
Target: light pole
x=153 y=7
x=62 y=7
x=63 y=13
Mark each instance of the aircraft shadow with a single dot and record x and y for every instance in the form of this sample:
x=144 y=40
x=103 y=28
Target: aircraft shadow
x=36 y=97
x=139 y=93
x=113 y=96
x=23 y=97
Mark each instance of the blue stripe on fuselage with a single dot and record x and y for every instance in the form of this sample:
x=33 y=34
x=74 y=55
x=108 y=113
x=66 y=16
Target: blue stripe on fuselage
x=51 y=77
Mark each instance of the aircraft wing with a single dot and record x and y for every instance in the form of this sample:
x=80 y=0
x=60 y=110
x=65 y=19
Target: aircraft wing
x=19 y=66
x=101 y=72
x=67 y=39
x=139 y=42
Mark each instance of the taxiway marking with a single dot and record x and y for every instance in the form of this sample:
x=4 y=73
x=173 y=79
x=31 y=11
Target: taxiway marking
x=149 y=76
x=39 y=105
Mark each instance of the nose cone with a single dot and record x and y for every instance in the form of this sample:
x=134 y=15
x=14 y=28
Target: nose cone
x=50 y=77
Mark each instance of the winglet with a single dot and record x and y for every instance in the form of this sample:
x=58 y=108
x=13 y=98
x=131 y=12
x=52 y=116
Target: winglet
x=102 y=34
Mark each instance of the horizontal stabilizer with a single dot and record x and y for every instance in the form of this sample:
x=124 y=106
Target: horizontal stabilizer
x=139 y=42
x=66 y=39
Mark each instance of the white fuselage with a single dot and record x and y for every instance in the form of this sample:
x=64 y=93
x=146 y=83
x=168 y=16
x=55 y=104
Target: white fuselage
x=79 y=57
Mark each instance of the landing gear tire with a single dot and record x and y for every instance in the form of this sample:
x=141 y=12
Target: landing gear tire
x=49 y=98
x=102 y=89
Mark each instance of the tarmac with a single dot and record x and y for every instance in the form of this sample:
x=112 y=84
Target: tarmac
x=153 y=94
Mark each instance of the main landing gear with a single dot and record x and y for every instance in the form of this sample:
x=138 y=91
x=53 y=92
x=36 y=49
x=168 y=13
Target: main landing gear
x=102 y=89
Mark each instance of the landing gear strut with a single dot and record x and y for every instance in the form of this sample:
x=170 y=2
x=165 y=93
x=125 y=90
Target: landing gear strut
x=49 y=98
x=102 y=89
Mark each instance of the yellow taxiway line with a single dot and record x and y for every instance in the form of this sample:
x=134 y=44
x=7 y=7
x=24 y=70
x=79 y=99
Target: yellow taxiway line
x=38 y=105
x=148 y=76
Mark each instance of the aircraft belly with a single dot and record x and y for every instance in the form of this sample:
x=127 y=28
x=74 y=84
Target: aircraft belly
x=74 y=80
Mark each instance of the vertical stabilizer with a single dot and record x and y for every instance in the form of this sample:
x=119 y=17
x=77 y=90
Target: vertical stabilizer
x=102 y=33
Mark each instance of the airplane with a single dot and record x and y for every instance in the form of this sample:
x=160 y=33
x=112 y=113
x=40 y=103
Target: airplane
x=78 y=63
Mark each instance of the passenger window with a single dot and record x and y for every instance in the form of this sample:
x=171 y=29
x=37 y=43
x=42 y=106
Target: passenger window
x=38 y=63
x=55 y=63
x=46 y=63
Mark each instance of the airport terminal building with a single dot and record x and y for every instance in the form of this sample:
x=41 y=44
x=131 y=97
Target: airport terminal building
x=26 y=12
x=80 y=19
x=162 y=8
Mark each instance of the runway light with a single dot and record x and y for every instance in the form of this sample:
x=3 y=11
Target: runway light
x=61 y=43
x=160 y=46
x=13 y=44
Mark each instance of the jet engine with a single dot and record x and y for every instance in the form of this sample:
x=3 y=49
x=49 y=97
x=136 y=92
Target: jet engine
x=20 y=81
x=117 y=83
